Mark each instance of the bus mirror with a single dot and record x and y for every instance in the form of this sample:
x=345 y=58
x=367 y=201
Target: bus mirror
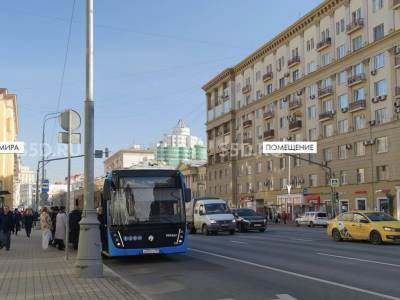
x=188 y=195
x=106 y=190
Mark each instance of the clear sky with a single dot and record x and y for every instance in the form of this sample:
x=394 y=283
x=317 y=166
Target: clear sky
x=150 y=60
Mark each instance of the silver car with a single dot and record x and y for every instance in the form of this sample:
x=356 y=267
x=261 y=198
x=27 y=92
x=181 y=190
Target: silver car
x=312 y=218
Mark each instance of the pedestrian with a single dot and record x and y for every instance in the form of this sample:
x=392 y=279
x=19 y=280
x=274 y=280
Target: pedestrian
x=284 y=216
x=22 y=217
x=28 y=218
x=46 y=224
x=53 y=217
x=329 y=216
x=8 y=221
x=35 y=217
x=102 y=225
x=278 y=217
x=74 y=218
x=18 y=217
x=61 y=222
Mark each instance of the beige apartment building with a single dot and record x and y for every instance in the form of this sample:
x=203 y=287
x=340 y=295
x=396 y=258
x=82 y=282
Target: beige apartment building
x=332 y=77
x=194 y=174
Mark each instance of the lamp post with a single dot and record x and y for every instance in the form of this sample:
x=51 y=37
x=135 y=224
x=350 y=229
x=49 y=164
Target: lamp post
x=88 y=260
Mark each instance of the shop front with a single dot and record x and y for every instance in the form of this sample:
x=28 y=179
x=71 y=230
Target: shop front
x=289 y=204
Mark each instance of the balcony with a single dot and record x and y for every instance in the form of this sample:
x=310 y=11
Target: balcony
x=269 y=134
x=325 y=116
x=397 y=91
x=246 y=88
x=268 y=115
x=294 y=104
x=323 y=44
x=397 y=62
x=295 y=125
x=353 y=26
x=227 y=130
x=294 y=61
x=356 y=79
x=357 y=105
x=247 y=140
x=325 y=92
x=396 y=4
x=247 y=123
x=268 y=76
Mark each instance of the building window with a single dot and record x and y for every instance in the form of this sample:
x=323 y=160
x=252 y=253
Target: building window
x=297 y=182
x=340 y=26
x=220 y=189
x=312 y=112
x=312 y=157
x=343 y=177
x=259 y=166
x=282 y=122
x=313 y=180
x=326 y=59
x=259 y=113
x=271 y=184
x=343 y=126
x=249 y=188
x=238 y=104
x=238 y=88
x=210 y=191
x=282 y=162
x=359 y=95
x=382 y=173
x=297 y=161
x=341 y=51
x=377 y=4
x=248 y=81
x=328 y=130
x=342 y=101
x=226 y=172
x=310 y=44
x=283 y=183
x=310 y=67
x=342 y=77
x=312 y=90
x=381 y=145
x=258 y=94
x=360 y=175
x=296 y=75
x=270 y=166
x=342 y=152
x=227 y=189
x=260 y=186
x=239 y=171
x=240 y=189
x=248 y=170
x=327 y=106
x=220 y=174
x=357 y=43
x=281 y=63
x=258 y=75
x=381 y=116
x=282 y=82
x=282 y=103
x=328 y=154
x=269 y=68
x=359 y=69
x=359 y=149
x=379 y=61
x=269 y=89
x=210 y=176
x=379 y=32
x=327 y=82
x=248 y=101
x=380 y=88
x=312 y=134
x=359 y=122
x=215 y=191
x=297 y=137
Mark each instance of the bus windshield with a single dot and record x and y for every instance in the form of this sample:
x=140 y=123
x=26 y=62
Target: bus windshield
x=146 y=200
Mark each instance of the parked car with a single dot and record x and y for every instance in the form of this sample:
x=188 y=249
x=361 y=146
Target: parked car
x=374 y=226
x=312 y=218
x=248 y=219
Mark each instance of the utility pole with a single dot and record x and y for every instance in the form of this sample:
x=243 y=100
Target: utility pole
x=88 y=260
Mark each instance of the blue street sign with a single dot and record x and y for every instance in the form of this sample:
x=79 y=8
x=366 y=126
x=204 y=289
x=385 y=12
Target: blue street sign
x=45 y=185
x=334 y=182
x=305 y=192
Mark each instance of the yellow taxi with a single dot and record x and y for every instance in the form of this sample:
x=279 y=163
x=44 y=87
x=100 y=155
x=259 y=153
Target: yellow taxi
x=374 y=226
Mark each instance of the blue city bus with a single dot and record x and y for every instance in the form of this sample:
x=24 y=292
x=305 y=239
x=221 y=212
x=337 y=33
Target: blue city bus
x=144 y=212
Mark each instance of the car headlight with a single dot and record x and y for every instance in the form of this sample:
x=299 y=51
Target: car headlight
x=233 y=220
x=388 y=228
x=213 y=222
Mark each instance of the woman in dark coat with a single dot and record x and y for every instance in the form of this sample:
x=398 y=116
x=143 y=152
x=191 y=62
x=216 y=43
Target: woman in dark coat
x=28 y=217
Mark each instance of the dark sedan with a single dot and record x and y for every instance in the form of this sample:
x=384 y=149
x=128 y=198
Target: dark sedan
x=248 y=219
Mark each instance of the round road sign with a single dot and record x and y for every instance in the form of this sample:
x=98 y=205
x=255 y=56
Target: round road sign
x=44 y=196
x=63 y=120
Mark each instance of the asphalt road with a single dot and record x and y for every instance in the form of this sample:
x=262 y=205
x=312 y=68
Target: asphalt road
x=282 y=263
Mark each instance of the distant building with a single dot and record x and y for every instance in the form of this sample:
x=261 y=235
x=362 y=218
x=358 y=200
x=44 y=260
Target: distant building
x=178 y=146
x=194 y=173
x=128 y=158
x=27 y=187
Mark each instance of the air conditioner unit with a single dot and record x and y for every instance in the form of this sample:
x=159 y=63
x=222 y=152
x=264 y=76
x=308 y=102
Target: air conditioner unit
x=286 y=74
x=397 y=110
x=345 y=109
x=373 y=72
x=383 y=97
x=324 y=163
x=251 y=190
x=375 y=99
x=291 y=182
x=288 y=138
x=260 y=136
x=333 y=112
x=312 y=96
x=278 y=68
x=301 y=180
x=371 y=123
x=266 y=183
x=237 y=127
x=208 y=151
x=348 y=146
x=284 y=100
x=299 y=93
x=290 y=119
x=396 y=104
x=368 y=142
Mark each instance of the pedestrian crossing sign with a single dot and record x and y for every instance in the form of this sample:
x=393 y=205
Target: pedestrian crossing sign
x=334 y=182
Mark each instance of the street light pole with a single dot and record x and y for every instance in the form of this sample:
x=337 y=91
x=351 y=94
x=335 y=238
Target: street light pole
x=88 y=260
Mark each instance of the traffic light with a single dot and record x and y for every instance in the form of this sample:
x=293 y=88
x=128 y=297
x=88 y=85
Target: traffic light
x=336 y=197
x=106 y=152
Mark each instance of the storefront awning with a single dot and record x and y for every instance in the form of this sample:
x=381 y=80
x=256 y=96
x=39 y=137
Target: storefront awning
x=4 y=193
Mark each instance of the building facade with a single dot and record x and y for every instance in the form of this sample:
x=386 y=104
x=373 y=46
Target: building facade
x=332 y=77
x=194 y=173
x=128 y=158
x=178 y=146
x=9 y=163
x=27 y=187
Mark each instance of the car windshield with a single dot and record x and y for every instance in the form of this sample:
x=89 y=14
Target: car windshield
x=217 y=208
x=246 y=212
x=379 y=216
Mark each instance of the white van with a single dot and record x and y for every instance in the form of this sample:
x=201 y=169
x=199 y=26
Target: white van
x=312 y=218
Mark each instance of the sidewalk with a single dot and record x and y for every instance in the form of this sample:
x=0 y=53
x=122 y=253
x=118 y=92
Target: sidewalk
x=27 y=272
x=288 y=223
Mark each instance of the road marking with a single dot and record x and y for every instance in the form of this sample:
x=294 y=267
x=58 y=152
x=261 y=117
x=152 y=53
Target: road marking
x=298 y=275
x=284 y=297
x=239 y=242
x=370 y=261
x=301 y=240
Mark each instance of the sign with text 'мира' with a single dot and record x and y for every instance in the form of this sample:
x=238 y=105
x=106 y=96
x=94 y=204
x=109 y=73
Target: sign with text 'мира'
x=290 y=147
